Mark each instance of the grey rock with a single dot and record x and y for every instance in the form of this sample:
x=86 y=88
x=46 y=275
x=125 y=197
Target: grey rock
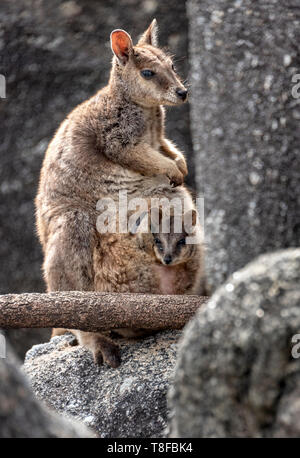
x=22 y=415
x=236 y=375
x=126 y=402
x=245 y=128
x=21 y=340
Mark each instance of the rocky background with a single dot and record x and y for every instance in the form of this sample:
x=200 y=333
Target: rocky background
x=235 y=371
x=245 y=128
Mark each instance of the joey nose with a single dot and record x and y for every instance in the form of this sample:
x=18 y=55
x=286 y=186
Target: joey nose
x=182 y=93
x=168 y=259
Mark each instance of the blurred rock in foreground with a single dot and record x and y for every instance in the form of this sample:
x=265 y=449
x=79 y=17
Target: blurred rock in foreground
x=22 y=415
x=235 y=375
x=23 y=339
x=126 y=402
x=245 y=128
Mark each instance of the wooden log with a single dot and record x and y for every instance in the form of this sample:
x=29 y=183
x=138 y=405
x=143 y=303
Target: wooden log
x=97 y=311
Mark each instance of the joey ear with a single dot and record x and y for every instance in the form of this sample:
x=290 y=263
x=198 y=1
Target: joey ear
x=150 y=35
x=135 y=224
x=156 y=219
x=190 y=220
x=121 y=44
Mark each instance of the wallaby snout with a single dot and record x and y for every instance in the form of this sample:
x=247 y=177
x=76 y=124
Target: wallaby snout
x=182 y=93
x=167 y=259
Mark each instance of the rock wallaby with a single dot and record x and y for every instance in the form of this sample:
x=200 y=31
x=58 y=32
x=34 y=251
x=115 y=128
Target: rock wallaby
x=160 y=260
x=112 y=142
x=153 y=260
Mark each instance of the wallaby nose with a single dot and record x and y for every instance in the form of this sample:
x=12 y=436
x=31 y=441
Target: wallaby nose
x=168 y=259
x=182 y=93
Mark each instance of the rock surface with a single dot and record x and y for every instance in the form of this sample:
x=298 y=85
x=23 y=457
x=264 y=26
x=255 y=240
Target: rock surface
x=126 y=402
x=22 y=415
x=235 y=375
x=245 y=113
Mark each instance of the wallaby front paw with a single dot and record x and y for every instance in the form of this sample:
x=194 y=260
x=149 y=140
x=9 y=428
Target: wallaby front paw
x=181 y=164
x=175 y=176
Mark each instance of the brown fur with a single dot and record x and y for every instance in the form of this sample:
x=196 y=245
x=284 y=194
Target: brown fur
x=113 y=141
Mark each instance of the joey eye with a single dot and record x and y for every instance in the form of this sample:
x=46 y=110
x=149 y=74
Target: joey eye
x=147 y=73
x=173 y=68
x=181 y=242
x=158 y=244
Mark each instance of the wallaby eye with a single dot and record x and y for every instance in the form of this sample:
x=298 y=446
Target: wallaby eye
x=181 y=242
x=158 y=244
x=173 y=68
x=147 y=73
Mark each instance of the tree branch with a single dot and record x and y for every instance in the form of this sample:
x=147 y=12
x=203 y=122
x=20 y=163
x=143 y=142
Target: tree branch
x=95 y=311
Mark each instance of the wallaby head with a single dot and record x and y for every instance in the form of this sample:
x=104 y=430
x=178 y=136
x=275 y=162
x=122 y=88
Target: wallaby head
x=170 y=246
x=167 y=241
x=145 y=71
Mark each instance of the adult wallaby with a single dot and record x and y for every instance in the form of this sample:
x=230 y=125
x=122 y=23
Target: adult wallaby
x=113 y=141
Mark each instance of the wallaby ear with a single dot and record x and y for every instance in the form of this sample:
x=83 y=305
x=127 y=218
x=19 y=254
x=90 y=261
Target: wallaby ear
x=190 y=220
x=121 y=44
x=134 y=225
x=156 y=219
x=150 y=36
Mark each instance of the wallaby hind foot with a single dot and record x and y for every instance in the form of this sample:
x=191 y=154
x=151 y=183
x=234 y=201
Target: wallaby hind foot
x=104 y=350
